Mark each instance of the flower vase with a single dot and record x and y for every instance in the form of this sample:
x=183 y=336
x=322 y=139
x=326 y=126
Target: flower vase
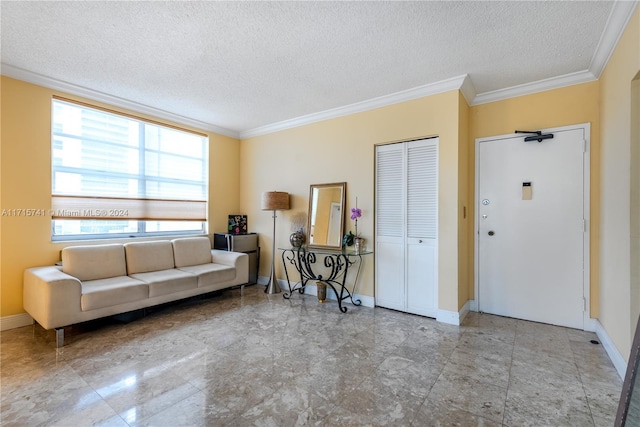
x=358 y=245
x=297 y=239
x=322 y=291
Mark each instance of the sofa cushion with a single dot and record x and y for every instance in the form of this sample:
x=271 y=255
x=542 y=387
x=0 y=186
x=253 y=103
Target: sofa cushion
x=94 y=262
x=113 y=291
x=143 y=257
x=210 y=274
x=191 y=251
x=167 y=281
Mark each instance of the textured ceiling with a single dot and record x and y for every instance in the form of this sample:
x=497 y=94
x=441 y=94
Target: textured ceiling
x=245 y=65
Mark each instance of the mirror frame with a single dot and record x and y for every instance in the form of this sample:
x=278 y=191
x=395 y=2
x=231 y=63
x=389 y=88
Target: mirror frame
x=312 y=187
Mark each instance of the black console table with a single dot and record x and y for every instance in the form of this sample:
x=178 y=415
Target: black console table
x=336 y=263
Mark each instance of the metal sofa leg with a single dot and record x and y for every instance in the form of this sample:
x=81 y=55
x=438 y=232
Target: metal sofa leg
x=59 y=337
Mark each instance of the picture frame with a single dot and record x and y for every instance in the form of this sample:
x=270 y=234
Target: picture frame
x=237 y=224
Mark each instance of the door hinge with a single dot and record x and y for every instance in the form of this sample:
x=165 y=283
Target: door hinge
x=584 y=304
x=584 y=145
x=584 y=225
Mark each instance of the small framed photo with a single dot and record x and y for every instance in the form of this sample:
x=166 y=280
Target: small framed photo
x=237 y=224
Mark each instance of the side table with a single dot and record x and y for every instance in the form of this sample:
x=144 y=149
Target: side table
x=336 y=263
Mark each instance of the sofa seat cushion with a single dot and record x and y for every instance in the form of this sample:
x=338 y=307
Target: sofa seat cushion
x=210 y=274
x=167 y=281
x=143 y=257
x=94 y=262
x=110 y=292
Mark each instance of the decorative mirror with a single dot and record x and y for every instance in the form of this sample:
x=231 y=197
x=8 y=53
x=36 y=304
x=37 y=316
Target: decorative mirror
x=326 y=215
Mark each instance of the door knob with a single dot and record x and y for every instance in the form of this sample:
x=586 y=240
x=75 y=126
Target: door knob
x=491 y=233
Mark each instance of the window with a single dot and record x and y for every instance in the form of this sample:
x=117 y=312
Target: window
x=115 y=175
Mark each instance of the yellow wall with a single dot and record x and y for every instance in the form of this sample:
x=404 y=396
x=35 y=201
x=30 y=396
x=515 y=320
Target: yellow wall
x=466 y=197
x=554 y=108
x=25 y=179
x=616 y=124
x=342 y=149
x=290 y=161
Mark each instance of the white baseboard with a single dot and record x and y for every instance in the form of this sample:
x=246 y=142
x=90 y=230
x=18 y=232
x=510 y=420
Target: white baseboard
x=590 y=325
x=15 y=321
x=453 y=317
x=616 y=357
x=366 y=300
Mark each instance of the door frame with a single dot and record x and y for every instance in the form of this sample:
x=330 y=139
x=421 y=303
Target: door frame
x=333 y=217
x=589 y=324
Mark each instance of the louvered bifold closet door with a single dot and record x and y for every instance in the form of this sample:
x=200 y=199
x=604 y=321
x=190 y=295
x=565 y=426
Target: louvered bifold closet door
x=406 y=249
x=390 y=226
x=422 y=226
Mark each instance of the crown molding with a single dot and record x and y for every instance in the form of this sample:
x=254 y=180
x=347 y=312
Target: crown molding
x=462 y=83
x=468 y=89
x=534 y=87
x=621 y=13
x=442 y=86
x=70 y=88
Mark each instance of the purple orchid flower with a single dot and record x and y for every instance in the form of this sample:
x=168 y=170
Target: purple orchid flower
x=356 y=213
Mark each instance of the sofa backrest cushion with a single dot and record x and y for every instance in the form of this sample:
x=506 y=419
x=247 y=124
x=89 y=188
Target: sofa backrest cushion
x=191 y=251
x=143 y=257
x=94 y=262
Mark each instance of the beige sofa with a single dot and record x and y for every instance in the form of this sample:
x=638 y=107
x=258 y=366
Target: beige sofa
x=103 y=280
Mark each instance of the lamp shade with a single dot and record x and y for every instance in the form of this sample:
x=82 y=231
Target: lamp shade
x=275 y=201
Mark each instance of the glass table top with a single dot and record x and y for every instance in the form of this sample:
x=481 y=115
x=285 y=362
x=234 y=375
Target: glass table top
x=324 y=251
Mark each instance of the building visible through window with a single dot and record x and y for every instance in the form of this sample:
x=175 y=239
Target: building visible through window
x=116 y=175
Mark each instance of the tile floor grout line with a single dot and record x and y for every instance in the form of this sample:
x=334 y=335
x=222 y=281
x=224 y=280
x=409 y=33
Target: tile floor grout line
x=513 y=350
x=586 y=397
x=96 y=392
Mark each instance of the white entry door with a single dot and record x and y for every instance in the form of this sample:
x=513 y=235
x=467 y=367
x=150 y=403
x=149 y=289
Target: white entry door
x=531 y=227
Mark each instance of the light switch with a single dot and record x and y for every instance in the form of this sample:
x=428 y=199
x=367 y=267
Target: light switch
x=527 y=191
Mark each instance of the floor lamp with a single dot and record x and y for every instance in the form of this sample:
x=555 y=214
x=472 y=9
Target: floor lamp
x=274 y=201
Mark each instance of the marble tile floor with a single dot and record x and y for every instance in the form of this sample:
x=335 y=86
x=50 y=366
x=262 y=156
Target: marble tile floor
x=243 y=358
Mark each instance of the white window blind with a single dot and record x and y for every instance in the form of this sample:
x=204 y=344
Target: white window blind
x=120 y=173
